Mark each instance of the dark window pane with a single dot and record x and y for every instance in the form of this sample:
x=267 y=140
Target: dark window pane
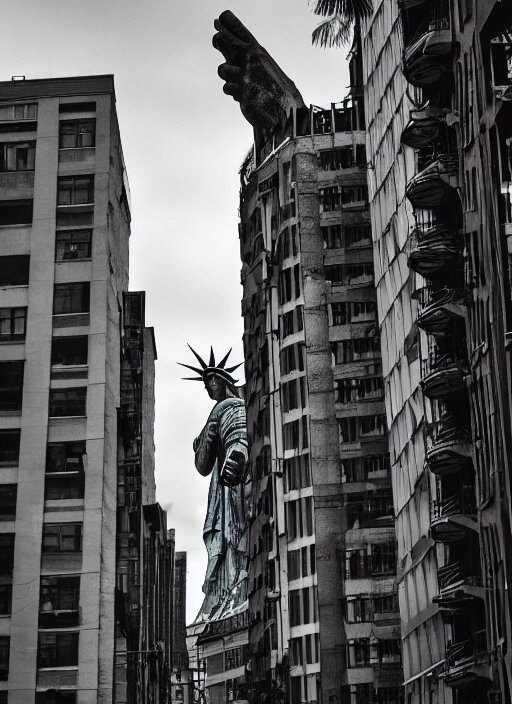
x=69 y=350
x=13 y=322
x=73 y=244
x=71 y=298
x=65 y=457
x=68 y=402
x=9 y=447
x=6 y=553
x=5 y=599
x=62 y=537
x=4 y=658
x=14 y=270
x=57 y=650
x=8 y=494
x=16 y=212
x=75 y=190
x=11 y=386
x=77 y=133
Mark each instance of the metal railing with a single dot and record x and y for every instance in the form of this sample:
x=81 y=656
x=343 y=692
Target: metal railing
x=469 y=649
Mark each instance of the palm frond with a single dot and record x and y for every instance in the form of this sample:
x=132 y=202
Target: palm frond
x=335 y=31
x=349 y=10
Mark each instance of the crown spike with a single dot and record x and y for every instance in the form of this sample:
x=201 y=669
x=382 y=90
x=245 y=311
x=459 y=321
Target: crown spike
x=194 y=369
x=224 y=360
x=201 y=361
x=232 y=369
x=192 y=378
x=211 y=363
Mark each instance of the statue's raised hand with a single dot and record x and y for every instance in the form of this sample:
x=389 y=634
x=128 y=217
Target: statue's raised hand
x=251 y=75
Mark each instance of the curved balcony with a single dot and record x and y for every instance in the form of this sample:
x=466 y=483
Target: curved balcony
x=459 y=575
x=424 y=128
x=444 y=376
x=439 y=310
x=452 y=518
x=434 y=249
x=425 y=60
x=431 y=187
x=467 y=663
x=450 y=449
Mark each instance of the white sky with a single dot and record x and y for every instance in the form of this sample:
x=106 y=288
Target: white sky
x=183 y=142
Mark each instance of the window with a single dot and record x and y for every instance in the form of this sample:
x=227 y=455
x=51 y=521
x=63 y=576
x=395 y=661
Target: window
x=73 y=244
x=62 y=537
x=372 y=426
x=332 y=236
x=339 y=312
x=17 y=156
x=54 y=696
x=294 y=607
x=13 y=324
x=6 y=553
x=59 y=594
x=296 y=472
x=14 y=270
x=65 y=457
x=336 y=274
x=16 y=212
x=75 y=190
x=292 y=358
x=57 y=650
x=22 y=111
x=292 y=322
x=5 y=599
x=376 y=463
x=352 y=195
x=68 y=402
x=69 y=350
x=335 y=159
x=9 y=447
x=383 y=558
x=359 y=652
x=329 y=199
x=358 y=236
x=360 y=273
x=70 y=486
x=348 y=429
x=296 y=657
x=8 y=501
x=4 y=658
x=352 y=390
x=71 y=298
x=11 y=386
x=74 y=134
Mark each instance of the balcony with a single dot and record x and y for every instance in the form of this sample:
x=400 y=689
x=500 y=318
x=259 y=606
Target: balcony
x=425 y=60
x=459 y=574
x=425 y=128
x=467 y=663
x=453 y=517
x=432 y=250
x=439 y=310
x=433 y=185
x=449 y=450
x=443 y=375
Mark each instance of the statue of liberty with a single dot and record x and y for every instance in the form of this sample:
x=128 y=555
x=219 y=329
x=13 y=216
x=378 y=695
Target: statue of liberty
x=221 y=450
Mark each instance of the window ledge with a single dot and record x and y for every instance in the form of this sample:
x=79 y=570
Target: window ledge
x=75 y=207
x=13 y=285
x=72 y=260
x=16 y=225
x=65 y=417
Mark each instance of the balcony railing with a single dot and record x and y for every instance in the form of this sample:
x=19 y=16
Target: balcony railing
x=455 y=573
x=462 y=503
x=470 y=649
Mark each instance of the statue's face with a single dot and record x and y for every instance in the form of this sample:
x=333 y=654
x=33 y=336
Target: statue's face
x=215 y=387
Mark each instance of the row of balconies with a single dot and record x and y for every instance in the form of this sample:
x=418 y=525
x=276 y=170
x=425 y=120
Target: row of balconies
x=436 y=254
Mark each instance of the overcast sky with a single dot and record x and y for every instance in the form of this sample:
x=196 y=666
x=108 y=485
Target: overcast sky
x=183 y=142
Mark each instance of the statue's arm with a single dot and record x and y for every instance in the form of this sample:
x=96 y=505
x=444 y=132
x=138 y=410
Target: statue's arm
x=252 y=77
x=205 y=448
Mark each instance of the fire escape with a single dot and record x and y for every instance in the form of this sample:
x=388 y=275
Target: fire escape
x=129 y=499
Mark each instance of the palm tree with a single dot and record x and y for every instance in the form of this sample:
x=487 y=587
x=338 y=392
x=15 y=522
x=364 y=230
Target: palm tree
x=341 y=15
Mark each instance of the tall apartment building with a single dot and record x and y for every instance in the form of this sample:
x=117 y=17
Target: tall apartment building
x=323 y=613
x=438 y=82
x=64 y=342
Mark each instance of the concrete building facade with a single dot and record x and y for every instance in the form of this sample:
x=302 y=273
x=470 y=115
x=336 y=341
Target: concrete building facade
x=64 y=231
x=437 y=82
x=323 y=613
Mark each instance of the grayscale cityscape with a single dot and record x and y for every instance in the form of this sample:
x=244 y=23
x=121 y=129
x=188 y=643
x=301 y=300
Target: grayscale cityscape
x=306 y=207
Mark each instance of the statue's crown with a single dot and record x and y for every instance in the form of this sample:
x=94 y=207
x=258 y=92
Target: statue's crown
x=212 y=368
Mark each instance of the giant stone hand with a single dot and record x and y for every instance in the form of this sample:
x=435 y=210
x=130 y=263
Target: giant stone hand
x=252 y=77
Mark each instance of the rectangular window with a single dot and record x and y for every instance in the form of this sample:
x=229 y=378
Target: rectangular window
x=65 y=457
x=372 y=426
x=293 y=565
x=383 y=558
x=336 y=274
x=71 y=298
x=75 y=134
x=21 y=111
x=6 y=553
x=57 y=650
x=294 y=607
x=59 y=594
x=5 y=599
x=8 y=502
x=11 y=386
x=339 y=313
x=16 y=212
x=68 y=402
x=360 y=273
x=14 y=270
x=296 y=658
x=73 y=244
x=4 y=658
x=329 y=199
x=9 y=447
x=358 y=236
x=69 y=350
x=55 y=696
x=354 y=195
x=62 y=537
x=335 y=159
x=64 y=486
x=332 y=236
x=75 y=190
x=17 y=156
x=348 y=429
x=13 y=324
